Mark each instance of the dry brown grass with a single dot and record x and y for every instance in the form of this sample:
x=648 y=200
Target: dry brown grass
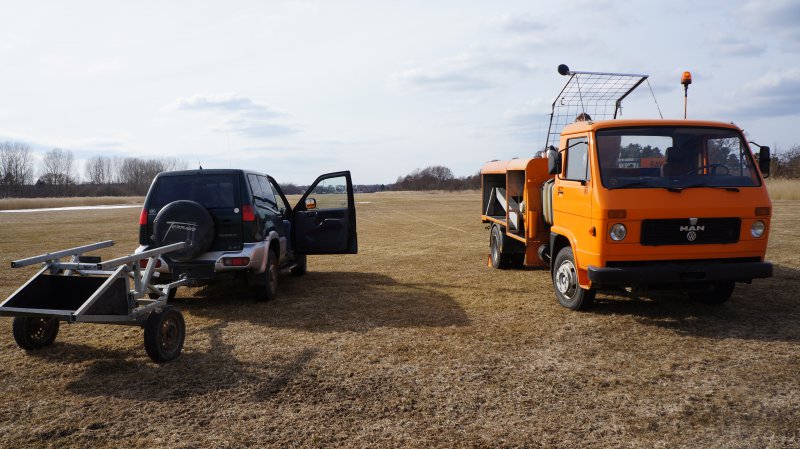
x=413 y=342
x=783 y=189
x=42 y=203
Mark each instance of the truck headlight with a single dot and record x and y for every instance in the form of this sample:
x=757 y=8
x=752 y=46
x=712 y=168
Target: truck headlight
x=618 y=232
x=757 y=229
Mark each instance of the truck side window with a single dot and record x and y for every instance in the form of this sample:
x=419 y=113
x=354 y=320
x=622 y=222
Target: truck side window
x=577 y=159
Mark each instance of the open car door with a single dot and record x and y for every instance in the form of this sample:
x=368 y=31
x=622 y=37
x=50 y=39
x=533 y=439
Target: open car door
x=325 y=218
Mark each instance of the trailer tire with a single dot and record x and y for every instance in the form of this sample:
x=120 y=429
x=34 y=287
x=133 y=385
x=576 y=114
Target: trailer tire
x=164 y=334
x=497 y=241
x=715 y=293
x=301 y=267
x=33 y=333
x=268 y=290
x=565 y=281
x=197 y=229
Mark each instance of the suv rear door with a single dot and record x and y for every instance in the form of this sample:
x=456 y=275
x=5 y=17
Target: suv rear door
x=326 y=225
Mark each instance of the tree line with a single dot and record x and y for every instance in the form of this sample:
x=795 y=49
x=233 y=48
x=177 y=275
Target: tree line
x=58 y=175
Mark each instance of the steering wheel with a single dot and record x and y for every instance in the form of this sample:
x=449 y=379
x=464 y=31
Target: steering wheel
x=710 y=167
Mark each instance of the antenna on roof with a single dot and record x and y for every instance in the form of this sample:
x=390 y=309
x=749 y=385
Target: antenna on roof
x=200 y=164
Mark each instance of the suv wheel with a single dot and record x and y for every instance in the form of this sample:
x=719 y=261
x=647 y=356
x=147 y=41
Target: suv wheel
x=301 y=265
x=268 y=290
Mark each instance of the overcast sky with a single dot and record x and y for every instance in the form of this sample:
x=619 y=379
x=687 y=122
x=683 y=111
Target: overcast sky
x=299 y=88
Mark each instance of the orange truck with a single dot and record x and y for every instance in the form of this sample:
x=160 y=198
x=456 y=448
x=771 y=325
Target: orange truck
x=634 y=204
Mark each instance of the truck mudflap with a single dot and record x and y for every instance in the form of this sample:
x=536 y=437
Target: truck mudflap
x=679 y=273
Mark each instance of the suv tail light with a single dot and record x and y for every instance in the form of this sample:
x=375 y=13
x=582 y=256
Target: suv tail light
x=143 y=217
x=235 y=261
x=248 y=213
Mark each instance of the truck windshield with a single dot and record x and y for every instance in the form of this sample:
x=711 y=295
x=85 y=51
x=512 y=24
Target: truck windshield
x=674 y=157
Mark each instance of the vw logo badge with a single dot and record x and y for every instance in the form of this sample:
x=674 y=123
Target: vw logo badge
x=691 y=235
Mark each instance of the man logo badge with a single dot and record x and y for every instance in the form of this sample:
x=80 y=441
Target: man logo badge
x=692 y=229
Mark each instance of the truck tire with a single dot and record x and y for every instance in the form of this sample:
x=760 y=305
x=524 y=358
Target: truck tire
x=497 y=240
x=714 y=293
x=184 y=221
x=565 y=280
x=33 y=333
x=268 y=290
x=164 y=334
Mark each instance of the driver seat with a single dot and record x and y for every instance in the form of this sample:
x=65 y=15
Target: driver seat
x=676 y=163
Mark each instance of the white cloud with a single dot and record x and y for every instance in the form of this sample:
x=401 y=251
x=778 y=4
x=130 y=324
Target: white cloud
x=240 y=115
x=775 y=18
x=775 y=94
x=733 y=45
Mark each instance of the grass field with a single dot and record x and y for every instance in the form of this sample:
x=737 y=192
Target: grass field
x=412 y=342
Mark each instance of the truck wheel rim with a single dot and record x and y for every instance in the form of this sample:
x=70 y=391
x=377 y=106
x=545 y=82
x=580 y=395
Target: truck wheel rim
x=566 y=281
x=495 y=252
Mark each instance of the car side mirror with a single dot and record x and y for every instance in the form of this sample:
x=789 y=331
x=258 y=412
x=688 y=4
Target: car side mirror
x=553 y=161
x=311 y=203
x=764 y=161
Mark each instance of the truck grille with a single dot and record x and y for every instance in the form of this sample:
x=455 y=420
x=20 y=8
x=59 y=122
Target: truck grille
x=683 y=231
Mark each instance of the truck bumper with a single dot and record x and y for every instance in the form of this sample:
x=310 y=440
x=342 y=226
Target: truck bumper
x=679 y=273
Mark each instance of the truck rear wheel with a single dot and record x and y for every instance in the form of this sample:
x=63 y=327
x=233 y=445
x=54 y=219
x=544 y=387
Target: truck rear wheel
x=498 y=248
x=565 y=280
x=714 y=293
x=34 y=332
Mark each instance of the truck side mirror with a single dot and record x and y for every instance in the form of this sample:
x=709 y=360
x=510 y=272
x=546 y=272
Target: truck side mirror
x=764 y=161
x=311 y=203
x=553 y=161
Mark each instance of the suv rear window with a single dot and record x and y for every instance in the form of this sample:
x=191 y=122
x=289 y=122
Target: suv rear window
x=212 y=191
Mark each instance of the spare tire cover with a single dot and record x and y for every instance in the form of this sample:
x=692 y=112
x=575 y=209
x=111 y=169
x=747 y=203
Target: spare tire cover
x=184 y=221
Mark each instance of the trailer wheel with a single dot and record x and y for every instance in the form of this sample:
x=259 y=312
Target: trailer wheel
x=500 y=260
x=301 y=267
x=164 y=333
x=714 y=293
x=269 y=289
x=32 y=333
x=565 y=280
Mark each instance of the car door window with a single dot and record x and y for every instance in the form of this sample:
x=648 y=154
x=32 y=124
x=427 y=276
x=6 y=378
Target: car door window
x=282 y=206
x=266 y=191
x=577 y=159
x=331 y=193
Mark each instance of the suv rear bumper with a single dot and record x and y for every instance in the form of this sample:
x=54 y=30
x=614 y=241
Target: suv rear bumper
x=206 y=264
x=679 y=273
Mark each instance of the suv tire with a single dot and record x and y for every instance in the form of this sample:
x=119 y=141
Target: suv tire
x=198 y=229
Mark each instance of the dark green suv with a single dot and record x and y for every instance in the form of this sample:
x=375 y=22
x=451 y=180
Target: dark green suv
x=239 y=224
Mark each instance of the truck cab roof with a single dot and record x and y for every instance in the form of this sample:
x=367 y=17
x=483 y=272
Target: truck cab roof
x=586 y=126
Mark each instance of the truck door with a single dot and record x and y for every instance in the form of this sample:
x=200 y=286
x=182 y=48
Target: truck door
x=572 y=199
x=325 y=217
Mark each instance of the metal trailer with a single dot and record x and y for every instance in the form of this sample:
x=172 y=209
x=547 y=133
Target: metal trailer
x=88 y=290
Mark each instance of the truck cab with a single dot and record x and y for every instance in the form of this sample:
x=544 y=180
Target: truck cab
x=660 y=203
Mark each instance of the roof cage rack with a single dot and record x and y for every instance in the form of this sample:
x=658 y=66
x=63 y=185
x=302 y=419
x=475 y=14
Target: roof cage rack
x=589 y=96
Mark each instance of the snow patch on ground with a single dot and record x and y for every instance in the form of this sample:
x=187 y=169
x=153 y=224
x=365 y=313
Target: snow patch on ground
x=116 y=206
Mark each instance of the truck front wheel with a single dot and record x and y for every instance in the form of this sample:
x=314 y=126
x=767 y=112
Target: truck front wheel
x=565 y=280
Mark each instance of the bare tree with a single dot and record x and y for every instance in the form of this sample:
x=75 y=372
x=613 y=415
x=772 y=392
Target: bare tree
x=99 y=170
x=57 y=167
x=16 y=167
